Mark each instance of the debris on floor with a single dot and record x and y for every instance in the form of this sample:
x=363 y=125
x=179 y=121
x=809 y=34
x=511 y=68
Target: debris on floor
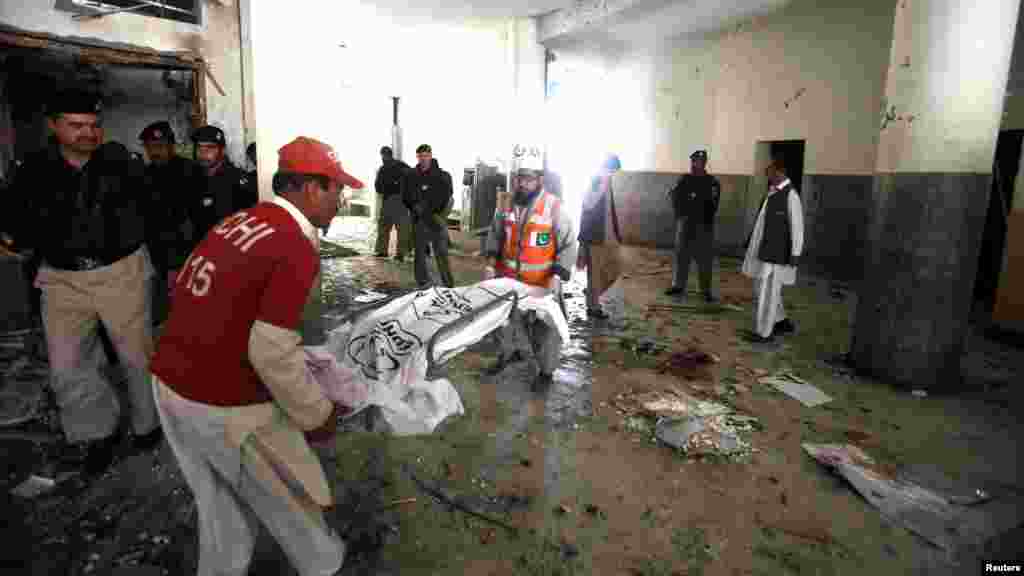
x=671 y=403
x=694 y=426
x=369 y=296
x=791 y=385
x=954 y=524
x=717 y=435
x=690 y=364
x=701 y=307
x=33 y=487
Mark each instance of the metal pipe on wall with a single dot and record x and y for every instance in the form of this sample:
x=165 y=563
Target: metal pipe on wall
x=396 y=130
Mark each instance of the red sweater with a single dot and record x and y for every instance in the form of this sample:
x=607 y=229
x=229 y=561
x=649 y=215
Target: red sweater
x=254 y=265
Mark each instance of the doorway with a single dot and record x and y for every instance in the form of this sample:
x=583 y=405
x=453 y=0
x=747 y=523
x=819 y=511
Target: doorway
x=791 y=152
x=993 y=242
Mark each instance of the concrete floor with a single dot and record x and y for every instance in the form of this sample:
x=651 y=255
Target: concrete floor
x=585 y=492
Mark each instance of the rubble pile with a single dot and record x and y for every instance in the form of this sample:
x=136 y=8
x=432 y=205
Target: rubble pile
x=694 y=426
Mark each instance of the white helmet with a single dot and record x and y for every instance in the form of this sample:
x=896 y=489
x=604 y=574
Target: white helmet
x=527 y=158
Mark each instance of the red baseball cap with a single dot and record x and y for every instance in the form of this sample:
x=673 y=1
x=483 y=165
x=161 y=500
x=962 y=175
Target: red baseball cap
x=308 y=156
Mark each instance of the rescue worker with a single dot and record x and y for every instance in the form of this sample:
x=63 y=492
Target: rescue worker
x=227 y=188
x=170 y=179
x=695 y=199
x=599 y=237
x=429 y=193
x=390 y=187
x=80 y=207
x=773 y=252
x=534 y=242
x=239 y=405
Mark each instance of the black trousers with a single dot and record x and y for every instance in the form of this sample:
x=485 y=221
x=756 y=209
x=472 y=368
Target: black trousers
x=694 y=241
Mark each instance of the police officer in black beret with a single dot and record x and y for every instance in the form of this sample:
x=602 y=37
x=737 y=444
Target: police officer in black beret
x=225 y=189
x=171 y=180
x=80 y=207
x=695 y=200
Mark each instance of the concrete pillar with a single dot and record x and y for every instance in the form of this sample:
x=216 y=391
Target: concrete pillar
x=1017 y=202
x=941 y=113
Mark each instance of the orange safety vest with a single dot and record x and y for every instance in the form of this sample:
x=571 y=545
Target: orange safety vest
x=534 y=264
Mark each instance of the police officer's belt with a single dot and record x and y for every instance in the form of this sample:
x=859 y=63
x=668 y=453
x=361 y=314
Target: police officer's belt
x=82 y=263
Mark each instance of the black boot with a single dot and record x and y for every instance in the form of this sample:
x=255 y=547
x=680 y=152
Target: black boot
x=502 y=362
x=100 y=455
x=675 y=291
x=149 y=441
x=784 y=327
x=541 y=382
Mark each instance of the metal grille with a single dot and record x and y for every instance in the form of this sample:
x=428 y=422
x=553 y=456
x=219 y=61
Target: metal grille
x=179 y=10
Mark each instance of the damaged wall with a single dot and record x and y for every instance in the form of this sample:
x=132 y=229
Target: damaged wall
x=811 y=71
x=217 y=40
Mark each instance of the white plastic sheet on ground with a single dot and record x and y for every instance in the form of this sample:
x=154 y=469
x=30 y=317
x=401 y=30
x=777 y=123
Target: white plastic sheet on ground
x=386 y=350
x=959 y=526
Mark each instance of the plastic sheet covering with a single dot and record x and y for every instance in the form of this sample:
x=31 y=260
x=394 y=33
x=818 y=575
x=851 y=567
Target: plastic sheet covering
x=386 y=349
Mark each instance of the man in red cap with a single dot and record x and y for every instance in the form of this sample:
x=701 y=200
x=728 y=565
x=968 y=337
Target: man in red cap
x=234 y=395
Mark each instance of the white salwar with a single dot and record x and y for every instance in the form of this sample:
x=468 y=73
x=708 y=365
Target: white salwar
x=770 y=278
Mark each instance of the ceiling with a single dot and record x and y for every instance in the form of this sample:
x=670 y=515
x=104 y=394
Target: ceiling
x=650 y=21
x=666 y=23
x=455 y=9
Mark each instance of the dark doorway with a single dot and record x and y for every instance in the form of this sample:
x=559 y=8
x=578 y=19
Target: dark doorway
x=792 y=154
x=1004 y=172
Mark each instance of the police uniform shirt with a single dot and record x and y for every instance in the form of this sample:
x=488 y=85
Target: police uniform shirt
x=697 y=196
x=223 y=194
x=171 y=186
x=65 y=213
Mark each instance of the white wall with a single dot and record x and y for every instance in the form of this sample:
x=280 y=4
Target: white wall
x=217 y=39
x=728 y=90
x=455 y=82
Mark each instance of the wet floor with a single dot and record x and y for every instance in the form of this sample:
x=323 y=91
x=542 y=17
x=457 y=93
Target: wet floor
x=583 y=493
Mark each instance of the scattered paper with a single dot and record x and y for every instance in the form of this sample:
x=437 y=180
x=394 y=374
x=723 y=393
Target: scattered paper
x=799 y=390
x=34 y=486
x=369 y=296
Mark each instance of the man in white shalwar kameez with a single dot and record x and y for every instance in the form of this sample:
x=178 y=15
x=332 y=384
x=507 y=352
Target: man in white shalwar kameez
x=773 y=252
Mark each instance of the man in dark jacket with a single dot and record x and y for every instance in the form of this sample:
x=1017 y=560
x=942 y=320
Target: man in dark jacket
x=171 y=180
x=227 y=188
x=429 y=194
x=80 y=206
x=391 y=211
x=695 y=200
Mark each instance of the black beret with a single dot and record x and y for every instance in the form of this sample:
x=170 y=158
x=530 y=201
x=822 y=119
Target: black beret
x=209 y=134
x=699 y=155
x=158 y=132
x=74 y=102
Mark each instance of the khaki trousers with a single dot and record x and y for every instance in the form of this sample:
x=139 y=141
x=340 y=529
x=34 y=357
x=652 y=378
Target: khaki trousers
x=232 y=499
x=73 y=304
